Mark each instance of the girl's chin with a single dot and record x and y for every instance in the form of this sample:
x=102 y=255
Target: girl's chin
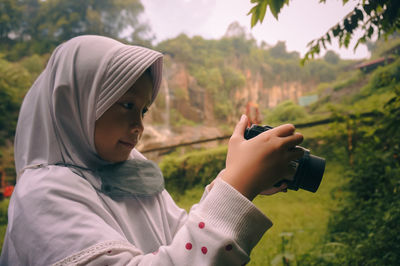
x=118 y=157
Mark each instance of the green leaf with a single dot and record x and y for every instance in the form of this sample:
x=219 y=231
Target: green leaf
x=359 y=14
x=323 y=43
x=336 y=31
x=355 y=47
x=263 y=9
x=328 y=38
x=368 y=8
x=361 y=40
x=347 y=40
x=370 y=31
x=276 y=6
x=274 y=11
x=253 y=19
x=252 y=10
x=347 y=25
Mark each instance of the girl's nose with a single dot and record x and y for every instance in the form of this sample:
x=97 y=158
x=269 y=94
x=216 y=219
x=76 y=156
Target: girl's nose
x=136 y=126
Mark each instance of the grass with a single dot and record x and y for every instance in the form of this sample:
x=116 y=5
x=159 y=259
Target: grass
x=3 y=220
x=300 y=214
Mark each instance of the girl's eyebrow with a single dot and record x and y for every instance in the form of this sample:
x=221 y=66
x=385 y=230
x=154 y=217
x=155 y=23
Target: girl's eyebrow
x=128 y=96
x=132 y=97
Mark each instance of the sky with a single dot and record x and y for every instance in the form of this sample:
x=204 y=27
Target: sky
x=298 y=23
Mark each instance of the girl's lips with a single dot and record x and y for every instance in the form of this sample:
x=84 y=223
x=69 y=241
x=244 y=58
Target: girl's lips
x=129 y=145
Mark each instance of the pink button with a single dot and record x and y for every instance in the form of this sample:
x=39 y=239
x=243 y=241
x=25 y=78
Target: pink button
x=188 y=246
x=204 y=250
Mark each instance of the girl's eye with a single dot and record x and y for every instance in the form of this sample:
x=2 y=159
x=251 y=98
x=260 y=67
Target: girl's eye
x=128 y=106
x=144 y=110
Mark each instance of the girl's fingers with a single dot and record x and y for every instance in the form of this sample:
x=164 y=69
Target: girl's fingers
x=283 y=130
x=273 y=190
x=292 y=141
x=240 y=127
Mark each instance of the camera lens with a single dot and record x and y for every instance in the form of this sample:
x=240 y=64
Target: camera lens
x=309 y=173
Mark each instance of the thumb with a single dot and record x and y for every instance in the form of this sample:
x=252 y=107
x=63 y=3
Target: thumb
x=240 y=127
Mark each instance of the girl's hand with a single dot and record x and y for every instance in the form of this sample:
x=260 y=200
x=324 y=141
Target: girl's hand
x=274 y=190
x=255 y=165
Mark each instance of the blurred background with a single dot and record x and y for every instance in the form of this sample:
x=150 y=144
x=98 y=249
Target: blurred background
x=330 y=67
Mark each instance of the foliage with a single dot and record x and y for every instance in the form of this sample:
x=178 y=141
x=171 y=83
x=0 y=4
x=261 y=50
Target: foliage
x=384 y=78
x=34 y=26
x=3 y=219
x=348 y=82
x=3 y=211
x=372 y=17
x=279 y=51
x=369 y=219
x=381 y=47
x=233 y=79
x=331 y=57
x=197 y=168
x=177 y=119
x=14 y=81
x=223 y=110
x=34 y=65
x=285 y=112
x=321 y=69
x=209 y=78
x=364 y=230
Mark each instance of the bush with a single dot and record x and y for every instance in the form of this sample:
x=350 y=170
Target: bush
x=285 y=112
x=14 y=82
x=223 y=110
x=383 y=78
x=3 y=211
x=177 y=119
x=367 y=224
x=193 y=169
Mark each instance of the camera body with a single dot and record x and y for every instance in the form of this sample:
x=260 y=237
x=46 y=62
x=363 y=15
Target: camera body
x=309 y=169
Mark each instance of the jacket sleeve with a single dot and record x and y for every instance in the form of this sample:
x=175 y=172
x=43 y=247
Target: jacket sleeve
x=221 y=230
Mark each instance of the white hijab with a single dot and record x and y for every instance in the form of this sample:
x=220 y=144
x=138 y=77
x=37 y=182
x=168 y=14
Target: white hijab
x=83 y=78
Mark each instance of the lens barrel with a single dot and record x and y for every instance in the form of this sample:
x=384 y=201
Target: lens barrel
x=309 y=173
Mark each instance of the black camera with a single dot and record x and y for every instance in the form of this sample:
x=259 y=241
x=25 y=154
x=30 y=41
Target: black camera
x=309 y=169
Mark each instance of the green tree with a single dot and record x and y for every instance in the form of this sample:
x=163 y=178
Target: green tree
x=14 y=80
x=279 y=51
x=285 y=112
x=10 y=13
x=331 y=57
x=33 y=26
x=381 y=17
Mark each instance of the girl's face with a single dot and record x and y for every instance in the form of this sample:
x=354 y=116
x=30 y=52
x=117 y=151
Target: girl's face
x=118 y=130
